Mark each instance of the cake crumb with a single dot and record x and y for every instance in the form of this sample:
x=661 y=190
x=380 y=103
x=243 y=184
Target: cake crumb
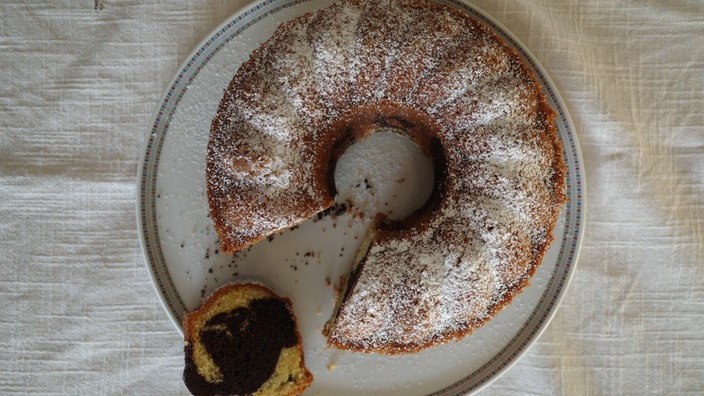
x=340 y=286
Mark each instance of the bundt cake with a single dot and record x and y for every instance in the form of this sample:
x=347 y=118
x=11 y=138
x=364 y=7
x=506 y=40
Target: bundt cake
x=244 y=340
x=437 y=76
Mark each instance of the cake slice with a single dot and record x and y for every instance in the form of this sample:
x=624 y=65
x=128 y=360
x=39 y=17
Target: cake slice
x=244 y=340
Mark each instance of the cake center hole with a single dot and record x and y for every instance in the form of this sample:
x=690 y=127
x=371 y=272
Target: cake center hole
x=385 y=173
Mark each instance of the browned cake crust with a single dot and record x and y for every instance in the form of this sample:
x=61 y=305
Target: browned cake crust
x=438 y=76
x=244 y=339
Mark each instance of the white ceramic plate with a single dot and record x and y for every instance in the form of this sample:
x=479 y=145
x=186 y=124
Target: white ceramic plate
x=180 y=244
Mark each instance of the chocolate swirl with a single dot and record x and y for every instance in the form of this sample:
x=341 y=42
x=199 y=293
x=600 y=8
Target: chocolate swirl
x=245 y=344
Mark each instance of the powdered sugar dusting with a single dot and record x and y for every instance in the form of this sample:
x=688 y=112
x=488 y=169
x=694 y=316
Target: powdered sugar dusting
x=434 y=279
x=333 y=35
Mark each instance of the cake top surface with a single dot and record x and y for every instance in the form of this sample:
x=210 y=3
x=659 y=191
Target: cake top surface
x=501 y=174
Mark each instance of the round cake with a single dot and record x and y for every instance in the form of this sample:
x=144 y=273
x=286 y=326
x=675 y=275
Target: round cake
x=243 y=339
x=430 y=73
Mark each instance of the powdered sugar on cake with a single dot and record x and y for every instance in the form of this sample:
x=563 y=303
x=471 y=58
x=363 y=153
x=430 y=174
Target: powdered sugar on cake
x=499 y=182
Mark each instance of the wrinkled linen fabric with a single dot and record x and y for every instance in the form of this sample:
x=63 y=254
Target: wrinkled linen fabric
x=79 y=87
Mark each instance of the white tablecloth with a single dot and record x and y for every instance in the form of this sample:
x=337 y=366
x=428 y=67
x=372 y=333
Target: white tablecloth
x=79 y=85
